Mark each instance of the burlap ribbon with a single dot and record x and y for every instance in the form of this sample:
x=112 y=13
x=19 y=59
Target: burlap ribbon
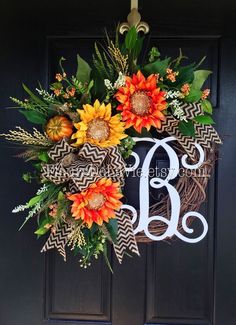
x=205 y=135
x=81 y=170
x=90 y=164
x=58 y=240
x=125 y=238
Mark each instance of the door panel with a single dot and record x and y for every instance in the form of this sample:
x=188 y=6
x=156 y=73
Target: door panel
x=90 y=289
x=171 y=283
x=178 y=277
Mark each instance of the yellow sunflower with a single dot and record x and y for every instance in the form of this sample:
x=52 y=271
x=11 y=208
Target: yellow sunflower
x=98 y=127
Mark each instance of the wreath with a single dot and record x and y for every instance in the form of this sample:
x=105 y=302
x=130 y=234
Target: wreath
x=87 y=126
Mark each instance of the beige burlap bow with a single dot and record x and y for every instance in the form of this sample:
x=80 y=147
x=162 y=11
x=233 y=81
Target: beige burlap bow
x=81 y=170
x=205 y=135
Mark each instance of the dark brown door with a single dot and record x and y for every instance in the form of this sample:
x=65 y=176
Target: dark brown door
x=169 y=284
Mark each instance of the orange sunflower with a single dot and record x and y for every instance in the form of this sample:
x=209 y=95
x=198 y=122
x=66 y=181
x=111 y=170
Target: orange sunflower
x=141 y=102
x=97 y=203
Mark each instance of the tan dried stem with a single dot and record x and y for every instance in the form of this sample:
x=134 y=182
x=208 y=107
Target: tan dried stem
x=120 y=60
x=76 y=238
x=22 y=136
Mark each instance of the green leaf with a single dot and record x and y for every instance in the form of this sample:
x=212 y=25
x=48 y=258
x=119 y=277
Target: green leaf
x=187 y=128
x=200 y=77
x=131 y=38
x=37 y=166
x=112 y=227
x=35 y=98
x=41 y=231
x=61 y=196
x=90 y=86
x=153 y=54
x=204 y=119
x=158 y=66
x=83 y=70
x=138 y=47
x=206 y=106
x=57 y=85
x=27 y=177
x=99 y=88
x=43 y=156
x=34 y=116
x=34 y=201
x=193 y=96
x=185 y=75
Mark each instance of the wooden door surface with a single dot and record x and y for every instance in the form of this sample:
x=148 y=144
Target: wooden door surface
x=169 y=284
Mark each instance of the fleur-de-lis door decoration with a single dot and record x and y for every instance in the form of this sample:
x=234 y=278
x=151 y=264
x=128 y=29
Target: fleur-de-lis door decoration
x=134 y=19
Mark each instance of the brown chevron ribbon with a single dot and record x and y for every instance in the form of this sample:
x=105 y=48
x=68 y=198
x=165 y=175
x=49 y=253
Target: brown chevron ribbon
x=114 y=165
x=191 y=109
x=205 y=135
x=58 y=240
x=90 y=164
x=125 y=238
x=171 y=127
x=61 y=149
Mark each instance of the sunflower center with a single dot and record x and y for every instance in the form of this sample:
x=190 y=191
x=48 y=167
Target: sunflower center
x=96 y=201
x=98 y=129
x=140 y=103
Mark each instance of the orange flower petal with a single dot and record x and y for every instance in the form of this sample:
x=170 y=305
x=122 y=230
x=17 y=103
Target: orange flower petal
x=80 y=208
x=158 y=103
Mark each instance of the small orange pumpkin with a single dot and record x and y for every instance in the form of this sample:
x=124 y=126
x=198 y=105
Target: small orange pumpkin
x=59 y=127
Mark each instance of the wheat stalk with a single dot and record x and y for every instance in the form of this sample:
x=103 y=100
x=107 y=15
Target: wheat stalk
x=22 y=136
